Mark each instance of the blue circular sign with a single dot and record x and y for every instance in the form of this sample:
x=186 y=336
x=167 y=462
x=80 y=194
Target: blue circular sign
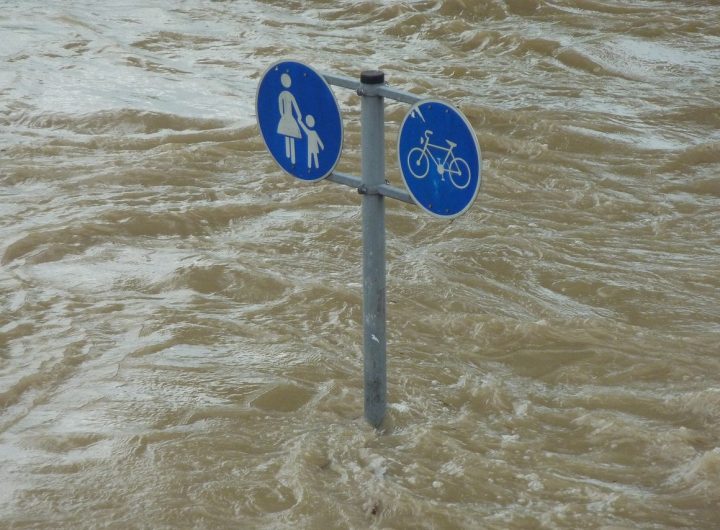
x=299 y=120
x=439 y=158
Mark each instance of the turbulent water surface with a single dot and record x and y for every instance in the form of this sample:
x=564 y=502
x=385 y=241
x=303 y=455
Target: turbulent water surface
x=180 y=321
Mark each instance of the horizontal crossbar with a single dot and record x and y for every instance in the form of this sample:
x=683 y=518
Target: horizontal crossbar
x=372 y=90
x=385 y=190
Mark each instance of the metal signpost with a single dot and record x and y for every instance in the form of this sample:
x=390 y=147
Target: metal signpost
x=440 y=162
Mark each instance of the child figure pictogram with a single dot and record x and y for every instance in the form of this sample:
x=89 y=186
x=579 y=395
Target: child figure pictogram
x=314 y=143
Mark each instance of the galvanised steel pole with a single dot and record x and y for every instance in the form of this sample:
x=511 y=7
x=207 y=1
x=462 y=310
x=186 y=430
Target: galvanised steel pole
x=372 y=118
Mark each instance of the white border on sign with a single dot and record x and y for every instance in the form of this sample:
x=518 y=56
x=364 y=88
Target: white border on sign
x=342 y=128
x=477 y=146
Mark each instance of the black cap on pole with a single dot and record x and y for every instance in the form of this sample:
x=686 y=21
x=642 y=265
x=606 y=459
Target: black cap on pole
x=372 y=77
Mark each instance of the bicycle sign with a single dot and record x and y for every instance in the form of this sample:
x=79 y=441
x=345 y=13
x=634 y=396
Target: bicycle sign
x=439 y=158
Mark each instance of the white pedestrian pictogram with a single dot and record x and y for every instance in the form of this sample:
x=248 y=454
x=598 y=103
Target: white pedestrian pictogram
x=291 y=121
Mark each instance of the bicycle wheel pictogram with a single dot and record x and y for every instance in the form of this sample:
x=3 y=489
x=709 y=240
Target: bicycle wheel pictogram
x=459 y=172
x=418 y=163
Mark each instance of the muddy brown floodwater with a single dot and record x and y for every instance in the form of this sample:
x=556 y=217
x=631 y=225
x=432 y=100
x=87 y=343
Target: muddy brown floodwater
x=180 y=322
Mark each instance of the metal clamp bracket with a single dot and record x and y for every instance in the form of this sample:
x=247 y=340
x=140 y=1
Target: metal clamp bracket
x=365 y=190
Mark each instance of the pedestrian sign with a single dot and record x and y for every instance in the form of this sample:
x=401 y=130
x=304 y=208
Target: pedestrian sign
x=299 y=120
x=439 y=158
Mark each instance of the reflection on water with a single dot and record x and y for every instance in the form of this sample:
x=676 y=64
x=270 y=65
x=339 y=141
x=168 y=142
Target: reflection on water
x=180 y=321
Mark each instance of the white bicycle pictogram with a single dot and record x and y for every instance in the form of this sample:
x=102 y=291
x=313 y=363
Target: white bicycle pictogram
x=419 y=158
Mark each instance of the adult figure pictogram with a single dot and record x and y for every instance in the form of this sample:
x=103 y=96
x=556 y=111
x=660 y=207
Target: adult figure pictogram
x=288 y=125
